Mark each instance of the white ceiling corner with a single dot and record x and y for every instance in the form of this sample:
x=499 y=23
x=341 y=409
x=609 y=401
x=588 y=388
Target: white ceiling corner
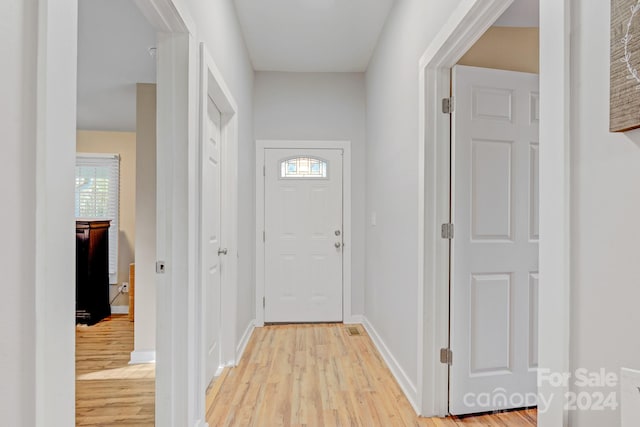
x=312 y=35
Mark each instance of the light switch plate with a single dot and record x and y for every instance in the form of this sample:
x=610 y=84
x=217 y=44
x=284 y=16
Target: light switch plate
x=160 y=267
x=630 y=399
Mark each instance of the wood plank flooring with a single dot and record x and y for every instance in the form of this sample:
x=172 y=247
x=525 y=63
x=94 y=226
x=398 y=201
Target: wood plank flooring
x=294 y=375
x=109 y=391
x=318 y=375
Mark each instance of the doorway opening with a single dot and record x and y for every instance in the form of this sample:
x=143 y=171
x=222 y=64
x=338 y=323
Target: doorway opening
x=465 y=27
x=175 y=139
x=116 y=131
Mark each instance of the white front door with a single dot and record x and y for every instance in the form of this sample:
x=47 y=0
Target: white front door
x=303 y=235
x=494 y=273
x=211 y=257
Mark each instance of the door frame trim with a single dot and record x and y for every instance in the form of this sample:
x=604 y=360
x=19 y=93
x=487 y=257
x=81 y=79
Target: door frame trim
x=51 y=295
x=261 y=145
x=465 y=25
x=212 y=84
x=176 y=141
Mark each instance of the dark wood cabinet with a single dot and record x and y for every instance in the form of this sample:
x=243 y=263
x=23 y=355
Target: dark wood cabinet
x=92 y=271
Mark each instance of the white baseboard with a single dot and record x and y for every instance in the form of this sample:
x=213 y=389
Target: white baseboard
x=119 y=309
x=142 y=357
x=356 y=319
x=201 y=423
x=242 y=345
x=219 y=371
x=409 y=389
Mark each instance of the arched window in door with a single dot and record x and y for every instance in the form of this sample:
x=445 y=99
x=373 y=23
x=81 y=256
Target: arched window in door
x=303 y=167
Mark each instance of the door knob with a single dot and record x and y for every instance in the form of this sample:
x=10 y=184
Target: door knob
x=222 y=251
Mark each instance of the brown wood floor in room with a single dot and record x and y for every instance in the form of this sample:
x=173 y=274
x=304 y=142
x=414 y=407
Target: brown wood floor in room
x=318 y=375
x=109 y=391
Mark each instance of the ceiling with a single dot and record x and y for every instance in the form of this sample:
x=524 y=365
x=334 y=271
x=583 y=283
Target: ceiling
x=113 y=55
x=114 y=40
x=312 y=35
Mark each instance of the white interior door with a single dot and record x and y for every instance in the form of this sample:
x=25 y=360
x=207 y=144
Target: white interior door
x=211 y=243
x=494 y=283
x=303 y=235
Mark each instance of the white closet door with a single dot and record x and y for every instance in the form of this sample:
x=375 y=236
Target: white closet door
x=211 y=208
x=494 y=294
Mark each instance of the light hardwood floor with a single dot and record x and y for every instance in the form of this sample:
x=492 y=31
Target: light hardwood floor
x=318 y=375
x=313 y=375
x=109 y=391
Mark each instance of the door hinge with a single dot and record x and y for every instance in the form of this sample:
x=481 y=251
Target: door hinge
x=263 y=302
x=447 y=231
x=264 y=236
x=264 y=170
x=446 y=356
x=447 y=105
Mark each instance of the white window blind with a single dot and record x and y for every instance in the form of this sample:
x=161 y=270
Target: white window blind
x=98 y=196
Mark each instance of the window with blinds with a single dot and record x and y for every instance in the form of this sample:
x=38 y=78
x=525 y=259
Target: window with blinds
x=97 y=196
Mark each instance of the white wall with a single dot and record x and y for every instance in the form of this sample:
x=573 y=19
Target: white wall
x=605 y=294
x=506 y=48
x=36 y=179
x=321 y=106
x=145 y=225
x=18 y=187
x=217 y=25
x=392 y=175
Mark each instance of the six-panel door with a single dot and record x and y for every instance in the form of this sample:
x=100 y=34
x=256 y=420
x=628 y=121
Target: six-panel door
x=494 y=278
x=303 y=235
